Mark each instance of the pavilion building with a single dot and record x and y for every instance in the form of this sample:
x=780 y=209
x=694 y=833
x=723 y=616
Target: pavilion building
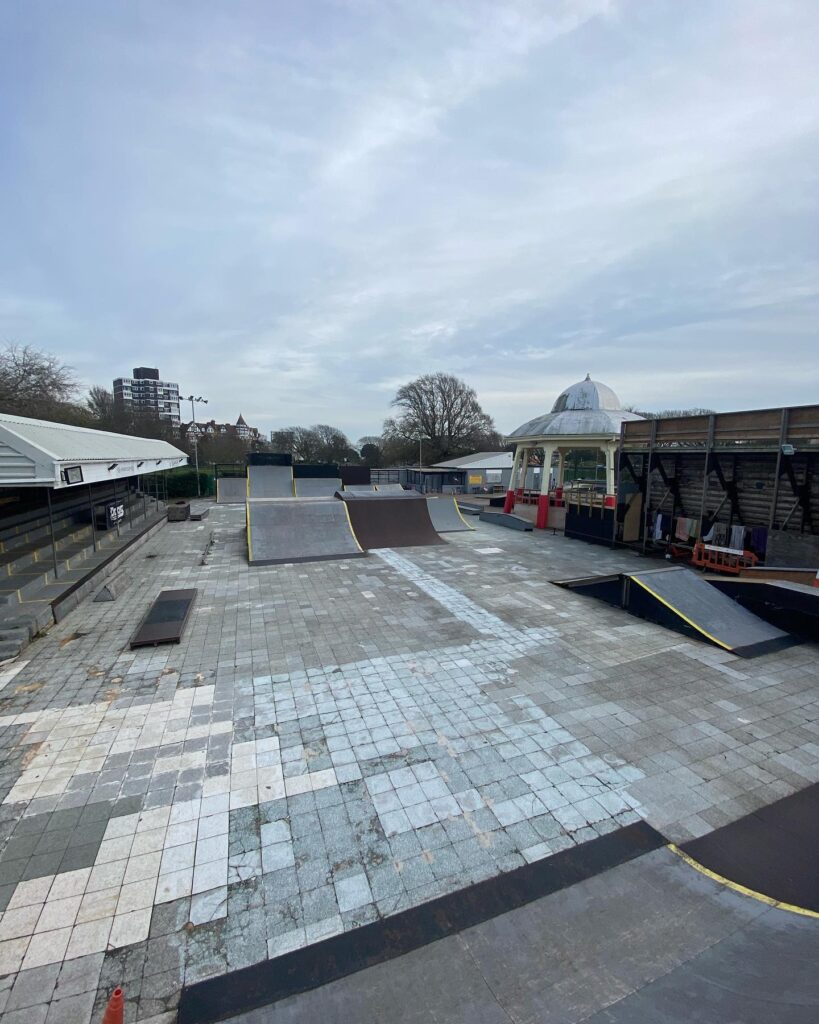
x=587 y=415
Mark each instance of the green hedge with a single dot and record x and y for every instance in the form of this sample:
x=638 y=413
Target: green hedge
x=182 y=483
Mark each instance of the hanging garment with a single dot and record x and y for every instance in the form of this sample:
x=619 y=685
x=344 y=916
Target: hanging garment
x=709 y=536
x=681 y=533
x=721 y=535
x=759 y=539
x=737 y=538
x=658 y=527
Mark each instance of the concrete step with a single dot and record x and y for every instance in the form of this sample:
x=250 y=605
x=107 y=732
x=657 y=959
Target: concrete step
x=18 y=559
x=74 y=558
x=41 y=600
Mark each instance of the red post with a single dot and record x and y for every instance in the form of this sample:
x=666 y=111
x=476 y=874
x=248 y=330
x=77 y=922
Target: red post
x=542 y=520
x=509 y=504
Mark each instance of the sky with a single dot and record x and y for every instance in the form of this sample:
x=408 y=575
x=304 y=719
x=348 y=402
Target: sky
x=292 y=208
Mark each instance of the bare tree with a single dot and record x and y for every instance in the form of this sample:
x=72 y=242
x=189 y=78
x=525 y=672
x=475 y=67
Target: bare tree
x=104 y=413
x=669 y=413
x=34 y=383
x=319 y=443
x=445 y=413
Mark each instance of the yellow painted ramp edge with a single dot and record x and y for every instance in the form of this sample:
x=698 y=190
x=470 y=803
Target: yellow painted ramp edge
x=685 y=618
x=469 y=526
x=791 y=908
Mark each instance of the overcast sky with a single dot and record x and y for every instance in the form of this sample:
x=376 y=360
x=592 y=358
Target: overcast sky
x=292 y=208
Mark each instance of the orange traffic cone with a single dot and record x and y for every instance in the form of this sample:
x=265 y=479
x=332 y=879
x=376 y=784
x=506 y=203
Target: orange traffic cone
x=113 y=1012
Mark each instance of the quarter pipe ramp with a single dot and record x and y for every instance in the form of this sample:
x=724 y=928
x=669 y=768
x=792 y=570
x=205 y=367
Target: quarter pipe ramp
x=270 y=481
x=299 y=531
x=317 y=486
x=231 y=490
x=390 y=522
x=446 y=516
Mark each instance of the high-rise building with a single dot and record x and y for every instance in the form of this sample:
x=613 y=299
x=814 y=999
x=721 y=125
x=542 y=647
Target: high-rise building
x=146 y=393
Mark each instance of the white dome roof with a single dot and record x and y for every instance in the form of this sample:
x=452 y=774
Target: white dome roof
x=586 y=409
x=587 y=394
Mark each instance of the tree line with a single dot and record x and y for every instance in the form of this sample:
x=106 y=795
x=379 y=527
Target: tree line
x=436 y=414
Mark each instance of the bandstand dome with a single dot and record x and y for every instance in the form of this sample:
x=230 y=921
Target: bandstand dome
x=587 y=409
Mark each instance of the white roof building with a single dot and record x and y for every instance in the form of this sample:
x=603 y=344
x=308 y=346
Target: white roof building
x=479 y=460
x=38 y=453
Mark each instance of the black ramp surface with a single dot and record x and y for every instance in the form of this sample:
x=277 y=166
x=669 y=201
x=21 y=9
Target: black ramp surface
x=391 y=522
x=445 y=515
x=270 y=481
x=773 y=851
x=701 y=607
x=317 y=486
x=298 y=531
x=231 y=490
x=164 y=622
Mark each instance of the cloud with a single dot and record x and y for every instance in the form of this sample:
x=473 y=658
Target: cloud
x=296 y=208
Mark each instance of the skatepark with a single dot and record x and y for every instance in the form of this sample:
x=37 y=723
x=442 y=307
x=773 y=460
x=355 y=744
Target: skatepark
x=333 y=744
x=449 y=734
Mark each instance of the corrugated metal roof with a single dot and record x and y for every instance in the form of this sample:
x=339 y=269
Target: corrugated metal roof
x=479 y=460
x=64 y=443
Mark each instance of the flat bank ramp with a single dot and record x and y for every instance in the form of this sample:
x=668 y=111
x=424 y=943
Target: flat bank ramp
x=490 y=515
x=681 y=600
x=270 y=482
x=692 y=601
x=389 y=488
x=231 y=490
x=317 y=486
x=365 y=488
x=388 y=522
x=299 y=531
x=446 y=516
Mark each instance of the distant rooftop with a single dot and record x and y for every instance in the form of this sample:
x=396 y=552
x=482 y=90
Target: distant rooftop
x=479 y=460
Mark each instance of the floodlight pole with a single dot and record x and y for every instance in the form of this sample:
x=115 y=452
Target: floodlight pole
x=204 y=401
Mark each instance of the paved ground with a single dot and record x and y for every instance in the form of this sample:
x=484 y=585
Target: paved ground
x=650 y=942
x=334 y=742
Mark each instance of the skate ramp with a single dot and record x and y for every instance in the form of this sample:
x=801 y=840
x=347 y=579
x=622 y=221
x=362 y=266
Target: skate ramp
x=270 y=482
x=317 y=486
x=389 y=488
x=390 y=522
x=360 y=488
x=446 y=516
x=290 y=530
x=231 y=490
x=681 y=600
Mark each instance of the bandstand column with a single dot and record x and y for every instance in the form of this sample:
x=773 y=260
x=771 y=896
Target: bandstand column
x=543 y=501
x=610 y=450
x=509 y=504
x=561 y=467
x=524 y=469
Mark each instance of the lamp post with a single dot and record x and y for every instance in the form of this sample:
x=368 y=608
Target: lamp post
x=204 y=401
